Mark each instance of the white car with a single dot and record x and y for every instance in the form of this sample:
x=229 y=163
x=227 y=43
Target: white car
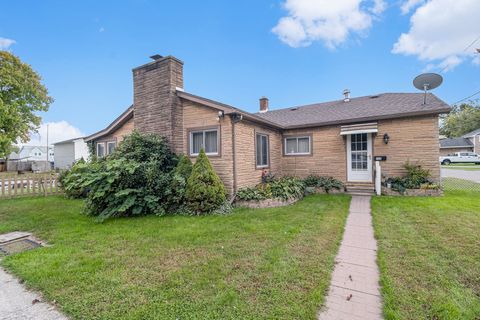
x=460 y=157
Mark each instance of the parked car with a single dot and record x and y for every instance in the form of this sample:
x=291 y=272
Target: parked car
x=460 y=157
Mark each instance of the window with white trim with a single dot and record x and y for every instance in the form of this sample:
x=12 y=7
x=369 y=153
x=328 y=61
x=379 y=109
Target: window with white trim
x=207 y=139
x=262 y=150
x=111 y=145
x=100 y=150
x=297 y=145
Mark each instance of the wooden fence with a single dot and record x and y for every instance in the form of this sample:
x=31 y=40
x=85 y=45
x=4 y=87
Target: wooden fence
x=29 y=185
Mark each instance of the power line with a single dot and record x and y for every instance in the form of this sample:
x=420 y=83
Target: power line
x=466 y=48
x=470 y=96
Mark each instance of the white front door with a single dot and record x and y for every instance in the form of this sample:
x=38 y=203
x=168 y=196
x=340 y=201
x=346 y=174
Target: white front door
x=359 y=157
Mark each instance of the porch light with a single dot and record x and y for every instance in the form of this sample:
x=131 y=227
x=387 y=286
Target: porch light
x=220 y=116
x=386 y=138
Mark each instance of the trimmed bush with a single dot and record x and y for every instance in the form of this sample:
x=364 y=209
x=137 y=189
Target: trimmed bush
x=205 y=191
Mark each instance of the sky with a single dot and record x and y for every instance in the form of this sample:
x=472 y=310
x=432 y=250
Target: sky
x=294 y=52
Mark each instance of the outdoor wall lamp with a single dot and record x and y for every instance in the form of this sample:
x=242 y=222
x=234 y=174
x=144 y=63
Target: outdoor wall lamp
x=386 y=138
x=220 y=116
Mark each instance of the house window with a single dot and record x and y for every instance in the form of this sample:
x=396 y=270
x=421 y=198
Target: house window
x=206 y=139
x=262 y=150
x=111 y=146
x=100 y=150
x=297 y=145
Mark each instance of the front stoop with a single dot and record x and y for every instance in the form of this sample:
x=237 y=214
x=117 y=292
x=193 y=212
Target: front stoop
x=354 y=292
x=360 y=188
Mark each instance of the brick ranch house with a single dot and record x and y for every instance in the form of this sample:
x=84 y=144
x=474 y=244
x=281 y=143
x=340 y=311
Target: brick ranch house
x=337 y=138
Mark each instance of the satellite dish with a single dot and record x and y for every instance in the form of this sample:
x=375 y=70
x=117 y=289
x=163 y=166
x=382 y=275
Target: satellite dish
x=427 y=81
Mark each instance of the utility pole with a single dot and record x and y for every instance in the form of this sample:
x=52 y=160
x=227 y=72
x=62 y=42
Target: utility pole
x=47 y=144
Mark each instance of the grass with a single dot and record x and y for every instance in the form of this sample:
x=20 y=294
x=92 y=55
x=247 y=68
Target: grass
x=429 y=256
x=252 y=264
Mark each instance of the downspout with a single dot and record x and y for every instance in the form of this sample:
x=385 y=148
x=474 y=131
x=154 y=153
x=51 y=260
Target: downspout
x=235 y=117
x=234 y=162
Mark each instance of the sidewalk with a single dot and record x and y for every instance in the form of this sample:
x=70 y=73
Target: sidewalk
x=354 y=292
x=18 y=303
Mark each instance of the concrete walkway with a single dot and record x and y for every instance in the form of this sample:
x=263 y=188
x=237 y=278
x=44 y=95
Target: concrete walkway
x=354 y=292
x=18 y=303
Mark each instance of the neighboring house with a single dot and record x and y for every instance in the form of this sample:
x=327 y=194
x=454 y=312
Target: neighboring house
x=337 y=138
x=33 y=153
x=451 y=145
x=474 y=138
x=69 y=151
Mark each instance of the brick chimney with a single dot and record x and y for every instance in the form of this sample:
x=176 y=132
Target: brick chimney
x=156 y=106
x=263 y=104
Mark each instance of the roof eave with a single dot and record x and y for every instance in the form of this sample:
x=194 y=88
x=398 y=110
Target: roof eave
x=371 y=118
x=226 y=108
x=124 y=117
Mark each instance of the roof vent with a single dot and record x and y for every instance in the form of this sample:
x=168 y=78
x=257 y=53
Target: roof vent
x=294 y=108
x=346 y=94
x=374 y=97
x=156 y=57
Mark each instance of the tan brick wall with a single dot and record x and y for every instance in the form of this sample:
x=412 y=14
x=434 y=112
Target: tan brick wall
x=413 y=139
x=328 y=154
x=120 y=133
x=247 y=172
x=197 y=116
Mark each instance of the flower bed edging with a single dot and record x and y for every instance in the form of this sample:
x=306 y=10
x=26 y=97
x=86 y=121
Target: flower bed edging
x=413 y=192
x=267 y=203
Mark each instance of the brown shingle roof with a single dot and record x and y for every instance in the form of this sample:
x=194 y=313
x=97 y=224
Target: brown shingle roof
x=376 y=107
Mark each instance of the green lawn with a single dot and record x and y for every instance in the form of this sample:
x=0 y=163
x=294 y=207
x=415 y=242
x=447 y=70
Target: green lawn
x=429 y=254
x=251 y=264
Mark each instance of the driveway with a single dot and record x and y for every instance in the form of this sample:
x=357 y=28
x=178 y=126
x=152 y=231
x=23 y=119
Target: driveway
x=461 y=174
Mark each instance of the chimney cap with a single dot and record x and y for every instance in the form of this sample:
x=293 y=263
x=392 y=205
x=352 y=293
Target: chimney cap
x=156 y=57
x=263 y=98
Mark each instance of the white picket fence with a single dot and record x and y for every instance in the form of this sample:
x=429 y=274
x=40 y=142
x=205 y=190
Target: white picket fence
x=25 y=185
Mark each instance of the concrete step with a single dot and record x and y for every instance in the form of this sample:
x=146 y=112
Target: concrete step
x=363 y=189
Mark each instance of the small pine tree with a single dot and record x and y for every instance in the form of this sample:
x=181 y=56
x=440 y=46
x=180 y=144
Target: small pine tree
x=205 y=190
x=184 y=167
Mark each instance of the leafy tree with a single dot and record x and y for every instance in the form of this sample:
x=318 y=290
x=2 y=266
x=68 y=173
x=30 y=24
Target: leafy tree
x=205 y=190
x=21 y=95
x=462 y=119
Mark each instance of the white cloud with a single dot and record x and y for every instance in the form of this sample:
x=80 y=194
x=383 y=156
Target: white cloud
x=409 y=5
x=331 y=22
x=440 y=30
x=5 y=43
x=57 y=131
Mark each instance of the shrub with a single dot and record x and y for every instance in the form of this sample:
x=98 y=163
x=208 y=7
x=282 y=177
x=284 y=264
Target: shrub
x=177 y=194
x=287 y=187
x=73 y=181
x=134 y=180
x=416 y=178
x=205 y=191
x=284 y=188
x=325 y=182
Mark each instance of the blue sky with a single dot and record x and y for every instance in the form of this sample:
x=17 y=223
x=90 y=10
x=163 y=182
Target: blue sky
x=294 y=52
